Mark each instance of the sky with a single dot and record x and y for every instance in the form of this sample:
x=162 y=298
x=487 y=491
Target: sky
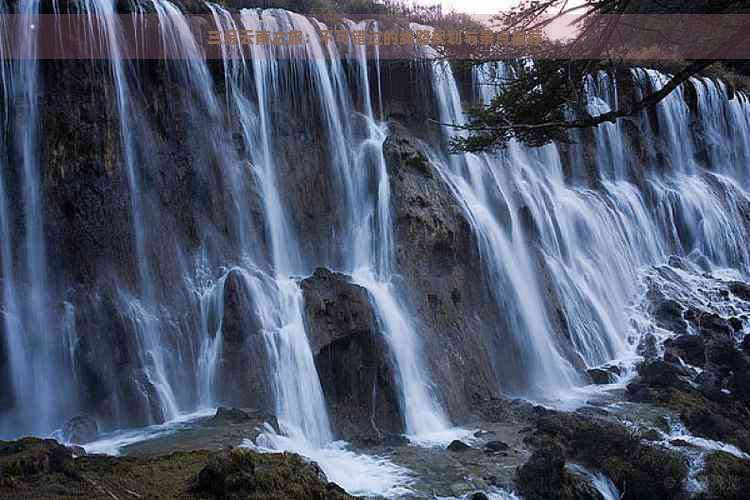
x=558 y=29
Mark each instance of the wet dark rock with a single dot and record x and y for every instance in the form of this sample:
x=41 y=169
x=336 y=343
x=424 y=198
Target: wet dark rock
x=543 y=476
x=77 y=451
x=658 y=373
x=483 y=433
x=735 y=323
x=666 y=312
x=746 y=344
x=689 y=348
x=495 y=446
x=381 y=440
x=80 y=430
x=337 y=307
x=705 y=423
x=680 y=443
x=458 y=446
x=740 y=290
x=601 y=376
x=710 y=386
x=239 y=321
x=230 y=415
x=478 y=496
x=244 y=417
x=651 y=435
x=113 y=386
x=712 y=325
x=678 y=262
x=444 y=283
x=647 y=347
x=638 y=392
x=352 y=357
x=727 y=476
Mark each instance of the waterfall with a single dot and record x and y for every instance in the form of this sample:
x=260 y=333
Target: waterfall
x=596 y=239
x=366 y=249
x=601 y=483
x=29 y=330
x=372 y=266
x=300 y=404
x=143 y=310
x=505 y=254
x=12 y=327
x=563 y=252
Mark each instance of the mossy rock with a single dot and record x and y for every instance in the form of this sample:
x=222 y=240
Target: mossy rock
x=726 y=476
x=36 y=468
x=29 y=457
x=243 y=474
x=417 y=161
x=638 y=469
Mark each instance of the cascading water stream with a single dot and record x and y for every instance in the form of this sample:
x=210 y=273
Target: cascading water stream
x=372 y=266
x=143 y=311
x=300 y=403
x=506 y=256
x=12 y=326
x=30 y=332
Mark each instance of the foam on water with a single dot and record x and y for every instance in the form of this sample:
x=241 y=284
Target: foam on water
x=112 y=442
x=442 y=438
x=492 y=494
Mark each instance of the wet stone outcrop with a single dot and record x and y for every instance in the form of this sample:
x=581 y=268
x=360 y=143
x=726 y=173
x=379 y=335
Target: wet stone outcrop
x=243 y=377
x=437 y=258
x=727 y=476
x=240 y=474
x=118 y=392
x=352 y=357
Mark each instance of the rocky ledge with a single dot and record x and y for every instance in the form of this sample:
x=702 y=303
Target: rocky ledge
x=37 y=468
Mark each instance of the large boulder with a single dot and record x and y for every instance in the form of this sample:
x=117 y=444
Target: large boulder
x=29 y=457
x=352 y=357
x=237 y=473
x=36 y=468
x=543 y=475
x=112 y=383
x=667 y=312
